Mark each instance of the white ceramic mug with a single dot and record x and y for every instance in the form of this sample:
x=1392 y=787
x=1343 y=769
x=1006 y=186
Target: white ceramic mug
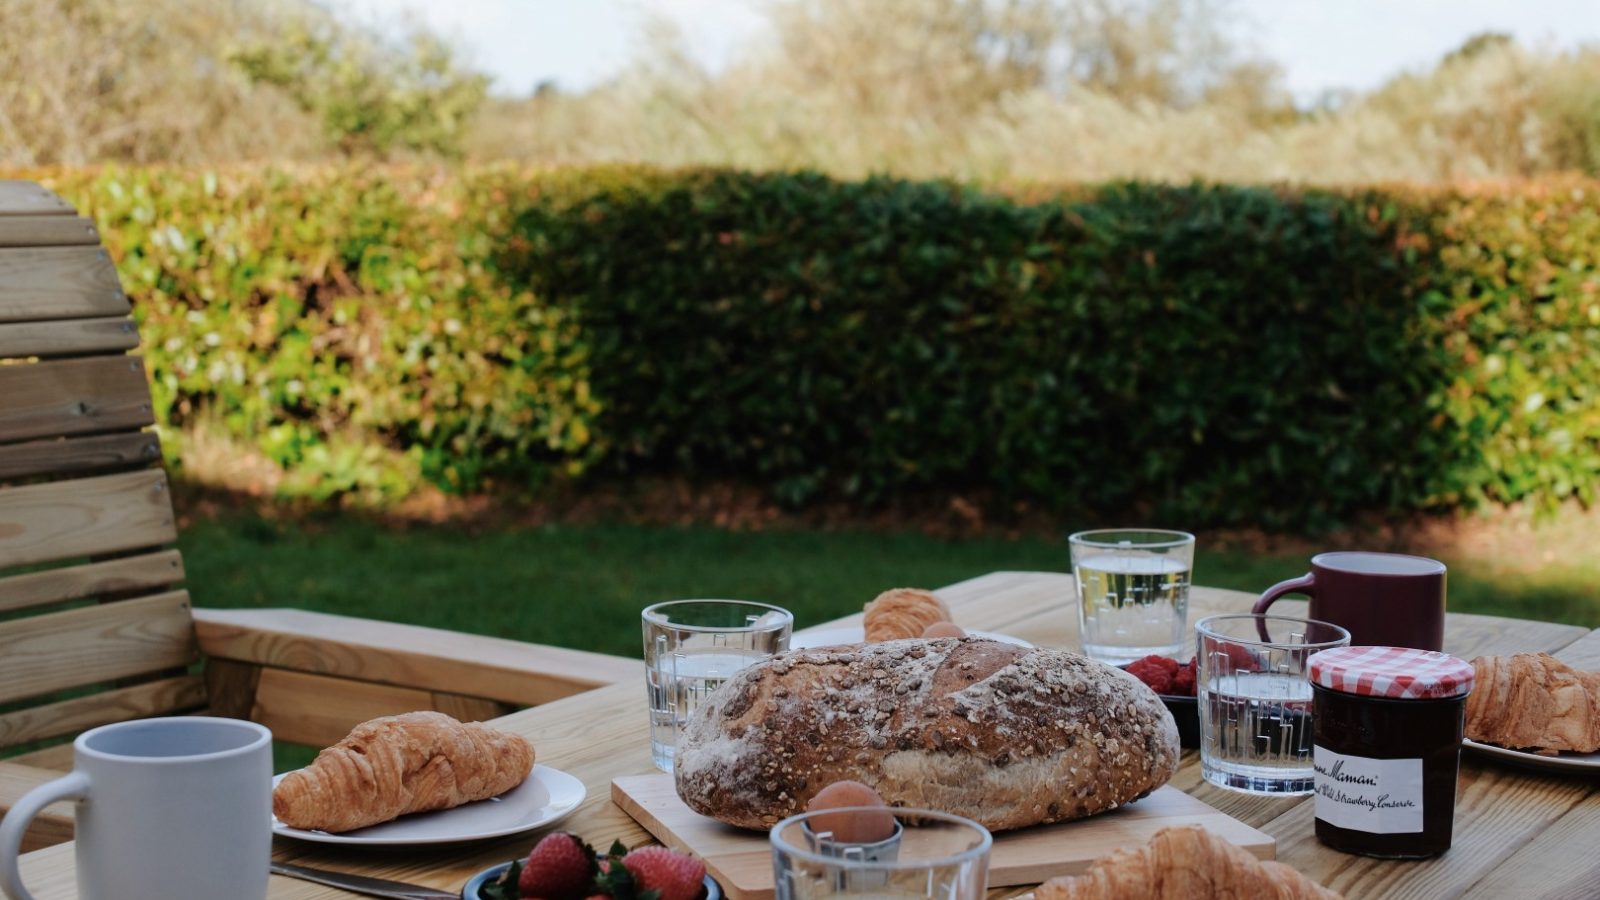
x=166 y=808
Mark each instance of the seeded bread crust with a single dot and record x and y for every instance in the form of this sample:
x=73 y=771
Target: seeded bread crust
x=1005 y=735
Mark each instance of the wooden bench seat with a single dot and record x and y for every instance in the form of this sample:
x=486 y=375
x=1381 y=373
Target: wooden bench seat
x=95 y=623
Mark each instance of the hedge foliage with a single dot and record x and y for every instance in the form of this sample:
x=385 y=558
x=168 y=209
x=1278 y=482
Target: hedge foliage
x=1201 y=354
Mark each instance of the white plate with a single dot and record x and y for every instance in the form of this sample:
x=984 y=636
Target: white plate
x=854 y=635
x=1566 y=762
x=546 y=796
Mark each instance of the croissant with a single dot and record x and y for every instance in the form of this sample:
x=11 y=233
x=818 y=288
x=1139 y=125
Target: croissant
x=395 y=765
x=1534 y=701
x=902 y=613
x=1182 y=864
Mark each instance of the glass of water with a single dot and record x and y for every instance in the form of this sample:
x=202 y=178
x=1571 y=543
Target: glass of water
x=693 y=646
x=1255 y=700
x=935 y=855
x=1133 y=592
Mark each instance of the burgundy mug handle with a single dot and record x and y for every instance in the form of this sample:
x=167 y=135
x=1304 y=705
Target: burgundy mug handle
x=1305 y=584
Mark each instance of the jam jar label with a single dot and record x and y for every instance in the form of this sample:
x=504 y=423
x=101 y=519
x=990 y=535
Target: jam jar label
x=1377 y=796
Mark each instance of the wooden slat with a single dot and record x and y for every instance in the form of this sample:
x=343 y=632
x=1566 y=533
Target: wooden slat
x=66 y=519
x=231 y=687
x=69 y=456
x=39 y=283
x=153 y=698
x=319 y=710
x=389 y=653
x=115 y=576
x=30 y=198
x=67 y=337
x=469 y=709
x=94 y=644
x=47 y=231
x=54 y=824
x=73 y=396
x=57 y=758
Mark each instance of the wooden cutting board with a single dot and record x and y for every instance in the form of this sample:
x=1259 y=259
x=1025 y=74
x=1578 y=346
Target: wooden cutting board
x=741 y=861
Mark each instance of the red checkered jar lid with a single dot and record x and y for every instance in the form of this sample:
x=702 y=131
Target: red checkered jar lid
x=1398 y=673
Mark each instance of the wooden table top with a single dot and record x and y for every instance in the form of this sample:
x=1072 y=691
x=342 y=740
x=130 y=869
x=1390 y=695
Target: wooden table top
x=1518 y=833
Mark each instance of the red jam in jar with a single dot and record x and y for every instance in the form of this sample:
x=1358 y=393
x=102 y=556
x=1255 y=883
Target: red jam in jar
x=1386 y=746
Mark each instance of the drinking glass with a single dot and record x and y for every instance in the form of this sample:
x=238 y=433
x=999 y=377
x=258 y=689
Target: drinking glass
x=1255 y=700
x=935 y=855
x=1133 y=592
x=693 y=646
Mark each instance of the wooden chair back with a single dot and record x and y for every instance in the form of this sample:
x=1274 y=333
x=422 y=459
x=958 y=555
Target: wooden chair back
x=93 y=625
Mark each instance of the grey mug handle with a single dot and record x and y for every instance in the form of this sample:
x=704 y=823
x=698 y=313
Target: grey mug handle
x=1305 y=584
x=72 y=786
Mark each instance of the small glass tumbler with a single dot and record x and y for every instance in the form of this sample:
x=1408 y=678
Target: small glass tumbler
x=691 y=647
x=1133 y=592
x=935 y=855
x=1255 y=700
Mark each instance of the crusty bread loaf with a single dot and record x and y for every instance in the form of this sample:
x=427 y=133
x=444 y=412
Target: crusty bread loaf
x=1006 y=735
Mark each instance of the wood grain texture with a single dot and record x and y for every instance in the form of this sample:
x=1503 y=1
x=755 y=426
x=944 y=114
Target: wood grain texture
x=85 y=516
x=79 y=455
x=408 y=655
x=231 y=687
x=741 y=861
x=1560 y=860
x=93 y=644
x=163 y=696
x=54 y=824
x=68 y=337
x=30 y=198
x=73 y=396
x=115 y=576
x=317 y=710
x=38 y=283
x=56 y=759
x=47 y=231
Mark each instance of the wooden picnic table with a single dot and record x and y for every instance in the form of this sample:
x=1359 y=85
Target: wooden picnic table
x=1518 y=833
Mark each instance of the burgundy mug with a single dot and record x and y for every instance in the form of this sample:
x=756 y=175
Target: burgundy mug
x=1382 y=599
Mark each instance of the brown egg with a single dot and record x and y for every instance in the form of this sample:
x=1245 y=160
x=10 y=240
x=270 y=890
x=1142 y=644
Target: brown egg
x=858 y=827
x=943 y=629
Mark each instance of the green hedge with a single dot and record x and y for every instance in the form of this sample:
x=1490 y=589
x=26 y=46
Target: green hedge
x=1201 y=355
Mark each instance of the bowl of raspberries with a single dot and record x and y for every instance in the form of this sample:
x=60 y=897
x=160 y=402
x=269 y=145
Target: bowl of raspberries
x=1173 y=682
x=562 y=867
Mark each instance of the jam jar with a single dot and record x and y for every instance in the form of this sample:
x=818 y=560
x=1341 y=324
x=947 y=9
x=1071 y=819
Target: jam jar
x=1386 y=745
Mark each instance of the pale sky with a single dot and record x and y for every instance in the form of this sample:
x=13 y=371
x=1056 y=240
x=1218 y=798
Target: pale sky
x=1322 y=44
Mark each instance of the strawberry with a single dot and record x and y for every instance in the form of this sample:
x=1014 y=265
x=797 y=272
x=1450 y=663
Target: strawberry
x=673 y=875
x=560 y=867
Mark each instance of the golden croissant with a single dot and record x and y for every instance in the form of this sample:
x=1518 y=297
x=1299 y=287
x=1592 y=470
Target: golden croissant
x=1534 y=701
x=902 y=613
x=1182 y=864
x=395 y=765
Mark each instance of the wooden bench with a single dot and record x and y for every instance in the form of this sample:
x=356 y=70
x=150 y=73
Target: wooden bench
x=95 y=626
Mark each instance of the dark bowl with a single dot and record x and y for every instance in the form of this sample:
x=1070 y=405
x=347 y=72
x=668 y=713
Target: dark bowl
x=470 y=890
x=1186 y=712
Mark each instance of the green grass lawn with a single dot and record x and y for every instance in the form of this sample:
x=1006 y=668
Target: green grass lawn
x=583 y=585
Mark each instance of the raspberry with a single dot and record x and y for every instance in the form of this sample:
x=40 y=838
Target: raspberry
x=1155 y=671
x=1183 y=683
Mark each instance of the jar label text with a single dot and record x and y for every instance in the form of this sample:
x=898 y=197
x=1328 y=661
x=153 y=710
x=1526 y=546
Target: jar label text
x=1377 y=796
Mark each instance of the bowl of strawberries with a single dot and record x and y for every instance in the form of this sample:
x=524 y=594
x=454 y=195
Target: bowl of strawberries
x=1173 y=682
x=563 y=867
